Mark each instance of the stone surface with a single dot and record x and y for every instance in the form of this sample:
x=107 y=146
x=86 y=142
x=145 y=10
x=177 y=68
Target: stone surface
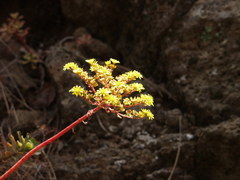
x=217 y=156
x=202 y=56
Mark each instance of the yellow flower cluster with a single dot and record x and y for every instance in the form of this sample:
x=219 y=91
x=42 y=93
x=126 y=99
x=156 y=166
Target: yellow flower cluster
x=111 y=63
x=140 y=114
x=103 y=73
x=79 y=91
x=105 y=95
x=129 y=76
x=144 y=99
x=81 y=73
x=112 y=91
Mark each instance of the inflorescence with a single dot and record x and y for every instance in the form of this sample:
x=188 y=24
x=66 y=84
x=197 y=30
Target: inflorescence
x=109 y=92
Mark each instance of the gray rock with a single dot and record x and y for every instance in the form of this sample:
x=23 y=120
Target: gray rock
x=217 y=154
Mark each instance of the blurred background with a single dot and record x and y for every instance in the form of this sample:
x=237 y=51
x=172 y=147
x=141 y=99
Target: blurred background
x=189 y=54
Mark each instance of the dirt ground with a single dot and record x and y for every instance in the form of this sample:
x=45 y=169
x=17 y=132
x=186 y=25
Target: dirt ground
x=188 y=52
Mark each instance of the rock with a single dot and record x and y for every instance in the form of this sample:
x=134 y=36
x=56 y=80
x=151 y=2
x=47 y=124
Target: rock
x=145 y=138
x=173 y=117
x=17 y=74
x=175 y=120
x=91 y=47
x=101 y=17
x=233 y=99
x=202 y=56
x=43 y=97
x=167 y=147
x=71 y=107
x=119 y=163
x=128 y=133
x=159 y=174
x=210 y=9
x=118 y=24
x=25 y=119
x=217 y=151
x=163 y=174
x=113 y=129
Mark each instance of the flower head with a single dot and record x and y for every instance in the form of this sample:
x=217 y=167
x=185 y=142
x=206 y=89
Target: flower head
x=112 y=92
x=79 y=91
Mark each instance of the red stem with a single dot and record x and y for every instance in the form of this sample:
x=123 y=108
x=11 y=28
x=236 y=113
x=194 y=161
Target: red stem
x=48 y=141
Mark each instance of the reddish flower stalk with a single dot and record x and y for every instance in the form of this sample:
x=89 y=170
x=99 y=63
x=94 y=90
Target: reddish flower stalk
x=110 y=96
x=48 y=141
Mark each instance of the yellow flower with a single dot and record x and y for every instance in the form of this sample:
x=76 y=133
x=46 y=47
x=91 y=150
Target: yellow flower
x=147 y=99
x=129 y=76
x=70 y=66
x=146 y=113
x=127 y=102
x=114 y=61
x=140 y=114
x=93 y=64
x=111 y=99
x=111 y=61
x=102 y=92
x=81 y=73
x=78 y=91
x=131 y=113
x=144 y=99
x=113 y=91
x=91 y=61
x=134 y=87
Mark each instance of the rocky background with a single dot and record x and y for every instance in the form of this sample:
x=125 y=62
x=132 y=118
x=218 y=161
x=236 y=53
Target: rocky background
x=189 y=53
